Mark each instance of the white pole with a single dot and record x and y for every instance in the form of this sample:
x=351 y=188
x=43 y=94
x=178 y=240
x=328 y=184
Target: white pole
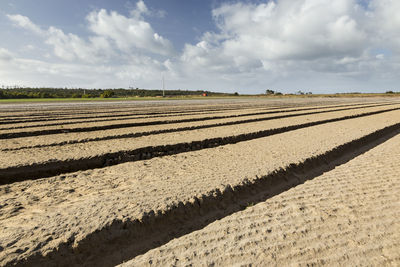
x=163 y=86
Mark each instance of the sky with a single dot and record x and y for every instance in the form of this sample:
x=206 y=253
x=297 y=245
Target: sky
x=319 y=46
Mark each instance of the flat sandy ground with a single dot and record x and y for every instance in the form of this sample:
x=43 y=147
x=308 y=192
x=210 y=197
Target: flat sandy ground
x=237 y=203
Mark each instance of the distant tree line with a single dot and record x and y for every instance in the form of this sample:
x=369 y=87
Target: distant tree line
x=19 y=93
x=272 y=92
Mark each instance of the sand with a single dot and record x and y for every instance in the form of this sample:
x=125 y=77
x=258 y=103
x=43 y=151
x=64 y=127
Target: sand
x=346 y=217
x=46 y=139
x=123 y=120
x=322 y=194
x=40 y=216
x=75 y=137
x=26 y=157
x=36 y=120
x=68 y=125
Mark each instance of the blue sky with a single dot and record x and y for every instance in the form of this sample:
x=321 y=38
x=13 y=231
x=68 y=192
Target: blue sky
x=244 y=46
x=180 y=21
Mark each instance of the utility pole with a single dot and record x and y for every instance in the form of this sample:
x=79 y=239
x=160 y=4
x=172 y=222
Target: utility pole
x=163 y=86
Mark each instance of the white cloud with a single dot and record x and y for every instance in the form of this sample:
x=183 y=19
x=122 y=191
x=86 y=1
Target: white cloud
x=113 y=34
x=129 y=34
x=286 y=45
x=290 y=30
x=386 y=22
x=70 y=47
x=119 y=50
x=269 y=42
x=141 y=9
x=26 y=23
x=29 y=72
x=5 y=55
x=29 y=47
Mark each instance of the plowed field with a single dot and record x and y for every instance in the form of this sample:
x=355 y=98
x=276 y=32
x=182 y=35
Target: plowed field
x=227 y=182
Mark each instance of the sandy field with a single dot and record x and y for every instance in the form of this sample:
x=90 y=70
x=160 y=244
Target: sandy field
x=347 y=216
x=138 y=131
x=318 y=185
x=87 y=150
x=8 y=123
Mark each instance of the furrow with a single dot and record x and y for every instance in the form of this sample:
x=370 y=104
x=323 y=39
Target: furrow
x=120 y=117
x=146 y=110
x=103 y=217
x=136 y=131
x=19 y=134
x=138 y=117
x=65 y=121
x=107 y=125
x=346 y=216
x=122 y=114
x=51 y=167
x=92 y=149
x=65 y=108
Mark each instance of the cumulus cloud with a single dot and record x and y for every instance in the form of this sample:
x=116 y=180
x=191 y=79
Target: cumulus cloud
x=140 y=10
x=127 y=49
x=26 y=23
x=292 y=44
x=291 y=29
x=70 y=47
x=279 y=40
x=113 y=34
x=31 y=72
x=129 y=33
x=5 y=55
x=251 y=34
x=384 y=18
